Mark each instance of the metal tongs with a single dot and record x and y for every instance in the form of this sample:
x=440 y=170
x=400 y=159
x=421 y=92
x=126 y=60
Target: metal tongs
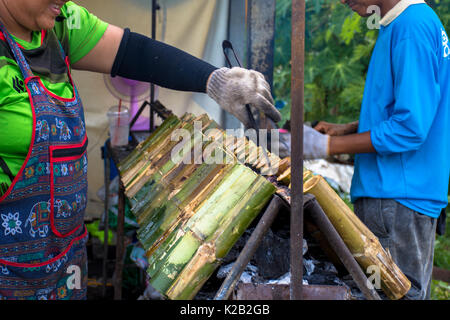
x=227 y=45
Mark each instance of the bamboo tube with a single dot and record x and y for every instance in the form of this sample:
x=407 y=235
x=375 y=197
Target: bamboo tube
x=175 y=261
x=134 y=162
x=284 y=165
x=141 y=171
x=194 y=192
x=307 y=175
x=363 y=244
x=285 y=177
x=208 y=256
x=160 y=159
x=207 y=219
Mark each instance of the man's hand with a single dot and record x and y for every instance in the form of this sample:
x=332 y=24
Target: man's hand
x=333 y=129
x=315 y=144
x=233 y=88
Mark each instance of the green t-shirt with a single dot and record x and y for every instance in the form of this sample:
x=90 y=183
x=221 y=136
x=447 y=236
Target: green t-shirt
x=78 y=31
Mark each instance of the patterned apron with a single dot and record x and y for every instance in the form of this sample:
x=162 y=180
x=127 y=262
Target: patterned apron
x=42 y=234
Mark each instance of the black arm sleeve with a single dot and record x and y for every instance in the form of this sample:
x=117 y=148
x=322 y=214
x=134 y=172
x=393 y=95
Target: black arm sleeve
x=144 y=59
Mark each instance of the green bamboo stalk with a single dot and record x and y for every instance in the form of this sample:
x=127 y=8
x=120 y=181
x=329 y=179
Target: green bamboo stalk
x=194 y=190
x=209 y=217
x=217 y=246
x=148 y=168
x=160 y=162
x=134 y=163
x=159 y=133
x=206 y=220
x=200 y=192
x=179 y=256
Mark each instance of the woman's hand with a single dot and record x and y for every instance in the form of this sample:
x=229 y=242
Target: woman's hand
x=333 y=129
x=234 y=88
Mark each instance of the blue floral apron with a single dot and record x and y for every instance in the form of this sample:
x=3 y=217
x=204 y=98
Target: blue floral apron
x=42 y=233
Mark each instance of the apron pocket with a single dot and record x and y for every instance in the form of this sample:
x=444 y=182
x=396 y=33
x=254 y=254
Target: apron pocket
x=68 y=187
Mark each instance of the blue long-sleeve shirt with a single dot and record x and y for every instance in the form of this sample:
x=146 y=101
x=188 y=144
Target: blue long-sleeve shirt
x=406 y=107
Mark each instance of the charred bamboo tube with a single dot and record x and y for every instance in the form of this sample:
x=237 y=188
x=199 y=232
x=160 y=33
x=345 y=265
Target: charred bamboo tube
x=361 y=242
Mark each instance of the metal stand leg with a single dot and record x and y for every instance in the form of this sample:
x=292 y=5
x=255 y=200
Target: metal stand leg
x=106 y=221
x=120 y=246
x=249 y=250
x=338 y=245
x=297 y=118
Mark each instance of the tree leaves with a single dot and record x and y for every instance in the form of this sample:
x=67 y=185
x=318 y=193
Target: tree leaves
x=338 y=50
x=351 y=26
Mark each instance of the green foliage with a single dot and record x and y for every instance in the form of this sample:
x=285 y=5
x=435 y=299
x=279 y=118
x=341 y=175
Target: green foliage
x=93 y=229
x=338 y=50
x=440 y=290
x=442 y=247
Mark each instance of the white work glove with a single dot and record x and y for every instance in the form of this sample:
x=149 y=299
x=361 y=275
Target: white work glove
x=233 y=88
x=315 y=144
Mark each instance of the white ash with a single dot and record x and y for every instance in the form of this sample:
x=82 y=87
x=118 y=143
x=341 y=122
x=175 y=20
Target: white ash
x=247 y=276
x=286 y=279
x=309 y=266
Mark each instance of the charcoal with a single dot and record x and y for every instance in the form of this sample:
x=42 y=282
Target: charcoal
x=273 y=256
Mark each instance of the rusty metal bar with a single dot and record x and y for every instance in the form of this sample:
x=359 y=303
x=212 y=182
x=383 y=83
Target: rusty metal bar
x=106 y=219
x=249 y=250
x=120 y=245
x=261 y=37
x=264 y=292
x=314 y=210
x=297 y=96
x=155 y=7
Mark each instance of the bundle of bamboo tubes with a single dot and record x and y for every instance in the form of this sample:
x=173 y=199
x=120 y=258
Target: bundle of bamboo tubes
x=191 y=212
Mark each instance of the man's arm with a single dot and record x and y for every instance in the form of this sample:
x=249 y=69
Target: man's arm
x=317 y=145
x=353 y=143
x=334 y=129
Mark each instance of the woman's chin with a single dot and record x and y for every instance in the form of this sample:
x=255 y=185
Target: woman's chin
x=46 y=23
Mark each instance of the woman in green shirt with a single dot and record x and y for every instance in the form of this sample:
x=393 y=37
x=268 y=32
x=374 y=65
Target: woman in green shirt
x=42 y=134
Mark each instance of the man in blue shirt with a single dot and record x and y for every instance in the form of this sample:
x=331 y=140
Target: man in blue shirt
x=402 y=140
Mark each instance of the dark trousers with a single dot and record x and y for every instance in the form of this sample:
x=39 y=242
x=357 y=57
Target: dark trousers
x=408 y=235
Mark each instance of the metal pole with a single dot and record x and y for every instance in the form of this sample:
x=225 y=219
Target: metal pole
x=106 y=221
x=249 y=250
x=120 y=245
x=297 y=94
x=323 y=223
x=155 y=7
